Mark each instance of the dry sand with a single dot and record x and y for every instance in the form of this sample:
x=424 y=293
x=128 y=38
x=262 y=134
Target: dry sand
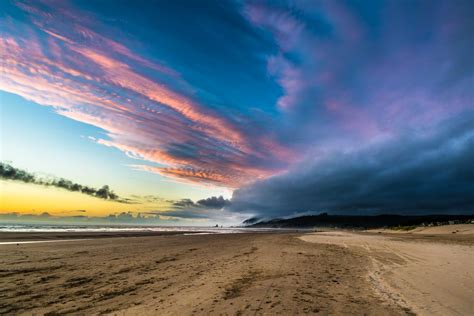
x=459 y=229
x=429 y=270
x=233 y=274
x=229 y=274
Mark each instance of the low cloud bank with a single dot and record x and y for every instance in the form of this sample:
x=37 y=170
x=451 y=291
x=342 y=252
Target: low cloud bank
x=414 y=174
x=123 y=218
x=204 y=217
x=213 y=202
x=212 y=208
x=9 y=172
x=205 y=212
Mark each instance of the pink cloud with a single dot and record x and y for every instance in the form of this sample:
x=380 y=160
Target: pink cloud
x=93 y=79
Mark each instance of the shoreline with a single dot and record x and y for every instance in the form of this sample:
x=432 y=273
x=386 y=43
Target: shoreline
x=12 y=236
x=38 y=236
x=38 y=241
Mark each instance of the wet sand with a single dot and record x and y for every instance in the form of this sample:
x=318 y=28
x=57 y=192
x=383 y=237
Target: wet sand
x=38 y=236
x=229 y=274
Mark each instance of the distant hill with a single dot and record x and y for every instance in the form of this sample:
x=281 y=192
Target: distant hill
x=252 y=220
x=362 y=222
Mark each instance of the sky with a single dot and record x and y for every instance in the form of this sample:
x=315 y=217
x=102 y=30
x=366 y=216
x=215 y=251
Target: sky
x=195 y=113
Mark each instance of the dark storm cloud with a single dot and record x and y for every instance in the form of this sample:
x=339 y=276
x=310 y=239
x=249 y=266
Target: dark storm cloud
x=215 y=203
x=8 y=172
x=413 y=174
x=214 y=208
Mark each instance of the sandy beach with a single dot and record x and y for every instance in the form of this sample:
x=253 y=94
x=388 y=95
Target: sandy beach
x=428 y=270
x=237 y=274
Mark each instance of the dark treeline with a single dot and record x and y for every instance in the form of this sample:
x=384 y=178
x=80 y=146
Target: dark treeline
x=9 y=172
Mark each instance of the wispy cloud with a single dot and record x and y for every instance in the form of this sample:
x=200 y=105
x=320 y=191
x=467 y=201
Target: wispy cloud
x=94 y=79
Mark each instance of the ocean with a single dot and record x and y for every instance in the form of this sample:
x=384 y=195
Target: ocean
x=40 y=227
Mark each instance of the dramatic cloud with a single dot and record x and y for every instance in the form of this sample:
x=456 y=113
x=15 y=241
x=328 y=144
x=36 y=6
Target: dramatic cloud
x=55 y=55
x=245 y=91
x=8 y=172
x=413 y=174
x=353 y=71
